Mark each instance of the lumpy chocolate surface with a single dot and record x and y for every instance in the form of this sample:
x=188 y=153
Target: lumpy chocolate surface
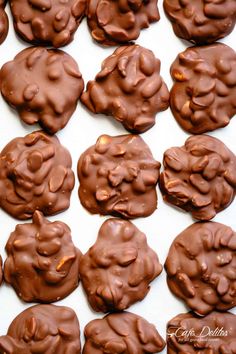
x=201 y=21
x=42 y=262
x=188 y=334
x=114 y=21
x=35 y=174
x=201 y=267
x=4 y=23
x=122 y=333
x=117 y=270
x=129 y=88
x=47 y=22
x=43 y=329
x=204 y=92
x=118 y=176
x=199 y=177
x=43 y=85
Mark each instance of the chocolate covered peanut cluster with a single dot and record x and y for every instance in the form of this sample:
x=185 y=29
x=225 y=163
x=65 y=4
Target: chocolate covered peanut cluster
x=120 y=21
x=47 y=22
x=42 y=262
x=129 y=88
x=201 y=267
x=35 y=174
x=43 y=85
x=203 y=95
x=199 y=177
x=43 y=329
x=118 y=269
x=122 y=333
x=118 y=176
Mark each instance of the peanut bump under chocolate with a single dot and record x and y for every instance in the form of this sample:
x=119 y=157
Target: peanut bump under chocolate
x=129 y=88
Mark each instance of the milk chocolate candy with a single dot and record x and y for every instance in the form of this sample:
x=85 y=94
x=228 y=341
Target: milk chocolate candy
x=117 y=270
x=4 y=23
x=129 y=88
x=42 y=263
x=189 y=334
x=43 y=329
x=199 y=177
x=47 y=22
x=113 y=22
x=122 y=332
x=43 y=85
x=118 y=176
x=35 y=174
x=201 y=21
x=203 y=97
x=201 y=267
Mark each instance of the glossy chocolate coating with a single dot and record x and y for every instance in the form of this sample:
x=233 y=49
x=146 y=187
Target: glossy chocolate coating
x=47 y=22
x=199 y=177
x=43 y=329
x=203 y=97
x=129 y=88
x=117 y=270
x=118 y=176
x=201 y=267
x=42 y=263
x=35 y=174
x=201 y=21
x=189 y=334
x=4 y=23
x=43 y=85
x=113 y=22
x=124 y=333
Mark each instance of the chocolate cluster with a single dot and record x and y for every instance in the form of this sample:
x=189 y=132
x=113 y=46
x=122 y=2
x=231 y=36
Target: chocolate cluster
x=203 y=95
x=129 y=88
x=118 y=176
x=122 y=333
x=43 y=329
x=43 y=85
x=117 y=270
x=42 y=262
x=35 y=174
x=189 y=334
x=199 y=177
x=114 y=21
x=47 y=22
x=201 y=21
x=201 y=267
x=4 y=23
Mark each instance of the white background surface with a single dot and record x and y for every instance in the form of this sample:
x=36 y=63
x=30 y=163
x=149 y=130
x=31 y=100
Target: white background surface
x=83 y=129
